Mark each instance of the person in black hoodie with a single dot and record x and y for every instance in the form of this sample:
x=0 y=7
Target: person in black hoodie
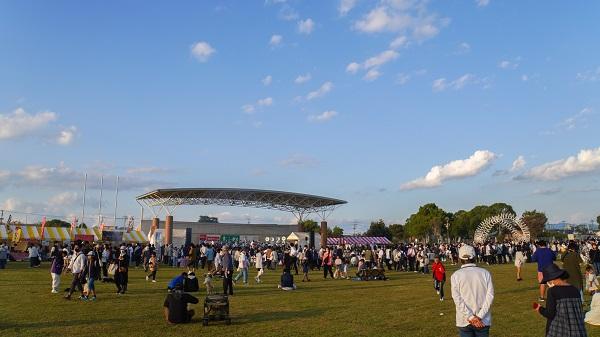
x=122 y=272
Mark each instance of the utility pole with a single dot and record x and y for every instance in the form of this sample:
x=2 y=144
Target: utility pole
x=1 y=216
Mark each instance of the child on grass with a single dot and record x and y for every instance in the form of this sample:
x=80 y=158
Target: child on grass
x=439 y=276
x=591 y=281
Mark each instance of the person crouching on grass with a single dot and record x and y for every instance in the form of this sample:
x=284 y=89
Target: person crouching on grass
x=176 y=306
x=439 y=276
x=563 y=309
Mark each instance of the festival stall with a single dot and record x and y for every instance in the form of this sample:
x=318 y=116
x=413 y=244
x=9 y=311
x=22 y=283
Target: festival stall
x=3 y=234
x=303 y=239
x=359 y=241
x=57 y=234
x=135 y=237
x=87 y=234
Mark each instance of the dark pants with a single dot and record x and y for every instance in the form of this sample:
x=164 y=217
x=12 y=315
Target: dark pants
x=471 y=331
x=202 y=262
x=439 y=286
x=228 y=283
x=411 y=263
x=76 y=284
x=2 y=263
x=597 y=267
x=153 y=275
x=327 y=269
x=295 y=264
x=121 y=280
x=34 y=262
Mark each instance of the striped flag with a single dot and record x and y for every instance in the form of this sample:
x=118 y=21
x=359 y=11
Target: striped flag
x=43 y=226
x=73 y=225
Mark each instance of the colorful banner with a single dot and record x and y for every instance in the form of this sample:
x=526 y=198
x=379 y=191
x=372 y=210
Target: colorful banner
x=43 y=227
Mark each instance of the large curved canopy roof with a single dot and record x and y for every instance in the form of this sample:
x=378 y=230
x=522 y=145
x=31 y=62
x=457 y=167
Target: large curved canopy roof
x=297 y=203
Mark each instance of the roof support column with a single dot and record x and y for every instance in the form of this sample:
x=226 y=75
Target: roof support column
x=168 y=230
x=323 y=234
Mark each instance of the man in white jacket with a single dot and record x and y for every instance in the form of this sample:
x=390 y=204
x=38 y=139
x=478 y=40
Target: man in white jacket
x=77 y=266
x=473 y=294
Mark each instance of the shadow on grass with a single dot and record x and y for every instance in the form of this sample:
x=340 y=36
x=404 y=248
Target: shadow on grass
x=271 y=316
x=69 y=323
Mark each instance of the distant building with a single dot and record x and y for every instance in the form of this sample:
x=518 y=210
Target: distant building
x=214 y=231
x=208 y=219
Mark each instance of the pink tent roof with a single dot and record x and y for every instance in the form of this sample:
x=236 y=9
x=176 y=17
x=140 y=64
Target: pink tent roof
x=359 y=240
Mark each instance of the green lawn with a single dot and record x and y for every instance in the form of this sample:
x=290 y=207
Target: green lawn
x=405 y=305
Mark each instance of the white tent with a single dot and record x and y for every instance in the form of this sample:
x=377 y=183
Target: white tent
x=303 y=238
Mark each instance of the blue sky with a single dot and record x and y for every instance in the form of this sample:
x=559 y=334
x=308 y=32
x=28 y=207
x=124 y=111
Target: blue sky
x=387 y=104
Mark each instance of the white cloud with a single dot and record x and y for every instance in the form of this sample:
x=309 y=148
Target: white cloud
x=147 y=170
x=267 y=101
x=303 y=78
x=267 y=80
x=399 y=42
x=66 y=136
x=589 y=75
x=353 y=68
x=248 y=108
x=275 y=40
x=63 y=199
x=586 y=161
x=19 y=123
x=306 y=26
x=64 y=177
x=547 y=191
x=463 y=48
x=299 y=161
x=372 y=75
x=439 y=84
x=346 y=6
x=518 y=164
x=322 y=91
x=475 y=164
x=482 y=3
x=381 y=59
x=442 y=84
x=506 y=64
x=202 y=51
x=409 y=17
x=402 y=79
x=323 y=117
x=372 y=64
x=572 y=122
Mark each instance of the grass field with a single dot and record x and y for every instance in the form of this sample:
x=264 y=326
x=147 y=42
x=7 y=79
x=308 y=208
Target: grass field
x=405 y=305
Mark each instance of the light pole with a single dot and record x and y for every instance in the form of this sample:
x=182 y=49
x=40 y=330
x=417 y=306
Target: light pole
x=448 y=228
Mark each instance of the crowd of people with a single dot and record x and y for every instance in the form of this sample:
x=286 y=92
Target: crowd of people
x=561 y=289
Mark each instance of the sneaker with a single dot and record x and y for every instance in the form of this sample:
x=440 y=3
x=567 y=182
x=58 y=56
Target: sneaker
x=83 y=298
x=54 y=291
x=442 y=299
x=153 y=281
x=93 y=298
x=437 y=291
x=147 y=278
x=541 y=299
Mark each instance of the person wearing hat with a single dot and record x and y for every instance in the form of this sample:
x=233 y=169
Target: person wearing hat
x=563 y=307
x=91 y=273
x=473 y=294
x=122 y=272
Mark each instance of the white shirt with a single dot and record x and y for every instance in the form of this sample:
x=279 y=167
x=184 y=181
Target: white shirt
x=259 y=261
x=473 y=294
x=78 y=262
x=33 y=251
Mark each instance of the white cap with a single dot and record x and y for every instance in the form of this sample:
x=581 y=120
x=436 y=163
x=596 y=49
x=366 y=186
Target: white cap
x=466 y=252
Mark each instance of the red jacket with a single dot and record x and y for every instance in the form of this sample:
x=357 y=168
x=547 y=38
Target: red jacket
x=439 y=272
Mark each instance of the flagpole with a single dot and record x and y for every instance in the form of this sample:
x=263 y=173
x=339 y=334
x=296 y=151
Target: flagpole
x=100 y=204
x=116 y=201
x=84 y=192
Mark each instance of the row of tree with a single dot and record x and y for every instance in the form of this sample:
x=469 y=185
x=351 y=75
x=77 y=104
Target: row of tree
x=434 y=222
